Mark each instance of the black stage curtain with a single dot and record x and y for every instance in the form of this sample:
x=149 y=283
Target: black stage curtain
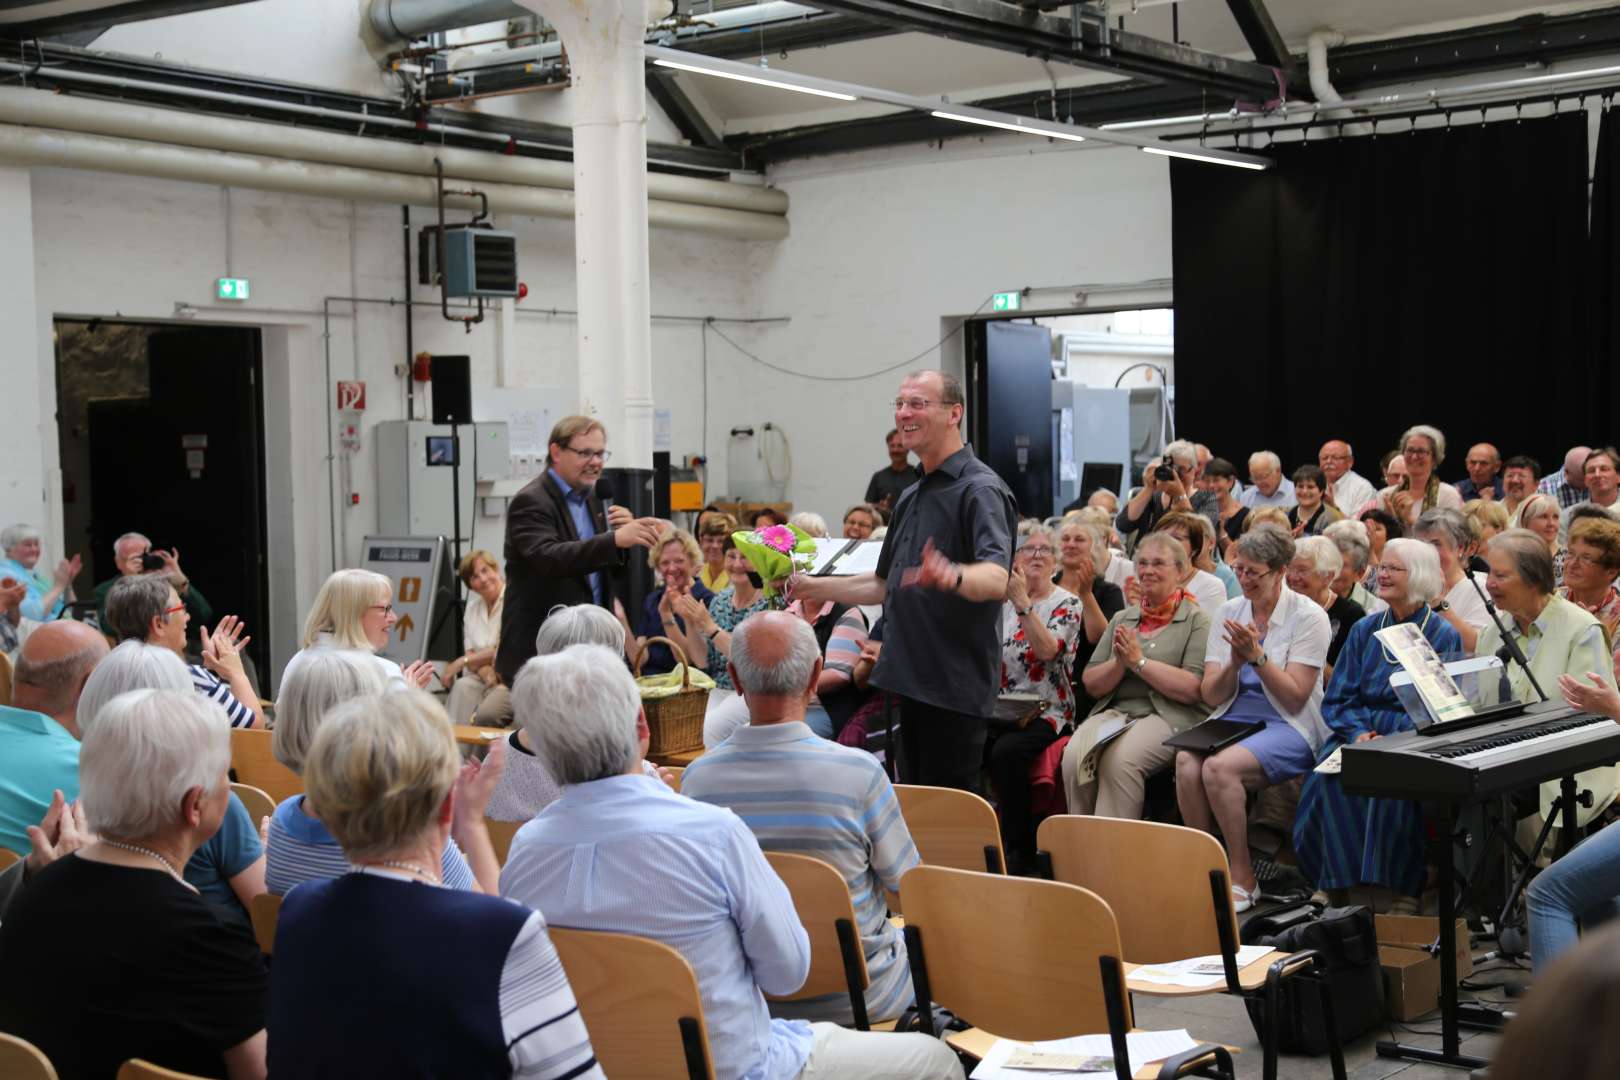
x=1369 y=283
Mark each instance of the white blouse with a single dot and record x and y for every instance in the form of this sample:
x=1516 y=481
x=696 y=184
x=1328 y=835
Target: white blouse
x=1298 y=633
x=481 y=622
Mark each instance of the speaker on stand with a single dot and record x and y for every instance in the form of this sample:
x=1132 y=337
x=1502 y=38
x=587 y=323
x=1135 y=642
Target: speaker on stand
x=451 y=379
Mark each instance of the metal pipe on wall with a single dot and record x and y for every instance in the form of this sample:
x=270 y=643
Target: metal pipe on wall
x=402 y=20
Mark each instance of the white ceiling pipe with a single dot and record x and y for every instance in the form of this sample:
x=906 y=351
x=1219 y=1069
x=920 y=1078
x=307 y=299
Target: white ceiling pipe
x=403 y=20
x=43 y=147
x=41 y=108
x=1316 y=47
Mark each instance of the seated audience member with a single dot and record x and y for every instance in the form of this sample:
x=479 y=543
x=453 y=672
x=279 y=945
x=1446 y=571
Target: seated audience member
x=1488 y=516
x=1453 y=541
x=1556 y=636
x=488 y=998
x=1210 y=560
x=617 y=838
x=1381 y=528
x=1423 y=449
x=1315 y=568
x=474 y=687
x=1356 y=555
x=1567 y=486
x=1519 y=474
x=1346 y=840
x=1589 y=576
x=1393 y=468
x=766 y=516
x=60 y=833
x=39 y=730
x=802 y=794
x=228 y=869
x=677 y=558
x=1263 y=662
x=860 y=520
x=1602 y=472
x=1104 y=499
x=355 y=611
x=811 y=523
x=12 y=595
x=1267 y=485
x=708 y=628
x=1484 y=479
x=45 y=595
x=1112 y=562
x=1565 y=1026
x=1541 y=515
x=1201 y=585
x=1267 y=515
x=1310 y=513
x=1229 y=511
x=130 y=553
x=1156 y=498
x=109 y=954
x=1040 y=624
x=300 y=846
x=1145 y=676
x=713 y=528
x=1082 y=554
x=1347 y=490
x=145 y=608
x=890 y=482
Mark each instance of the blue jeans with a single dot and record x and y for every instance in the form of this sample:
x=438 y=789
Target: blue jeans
x=1580 y=890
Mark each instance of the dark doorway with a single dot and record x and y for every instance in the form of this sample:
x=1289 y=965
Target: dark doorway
x=1009 y=392
x=162 y=434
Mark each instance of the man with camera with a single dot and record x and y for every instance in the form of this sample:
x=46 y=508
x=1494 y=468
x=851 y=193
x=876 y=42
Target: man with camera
x=1167 y=484
x=133 y=555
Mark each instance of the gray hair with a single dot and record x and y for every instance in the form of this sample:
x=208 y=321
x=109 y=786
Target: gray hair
x=1323 y=553
x=13 y=535
x=147 y=749
x=118 y=543
x=810 y=522
x=1099 y=536
x=581 y=709
x=1170 y=545
x=57 y=678
x=1436 y=439
x=1268 y=458
x=133 y=602
x=133 y=665
x=1183 y=453
x=1441 y=521
x=1030 y=528
x=1424 y=581
x=1351 y=537
x=579 y=624
x=1531 y=559
x=790 y=675
x=1268 y=545
x=324 y=678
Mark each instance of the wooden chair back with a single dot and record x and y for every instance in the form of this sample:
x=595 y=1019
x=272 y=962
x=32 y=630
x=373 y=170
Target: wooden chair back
x=952 y=828
x=1156 y=877
x=5 y=679
x=256 y=801
x=1018 y=957
x=257 y=766
x=639 y=1000
x=136 y=1069
x=22 y=1060
x=500 y=836
x=264 y=912
x=837 y=961
x=7 y=857
x=678 y=772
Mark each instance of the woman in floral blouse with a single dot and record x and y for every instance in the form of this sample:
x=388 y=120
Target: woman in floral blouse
x=1589 y=573
x=1039 y=624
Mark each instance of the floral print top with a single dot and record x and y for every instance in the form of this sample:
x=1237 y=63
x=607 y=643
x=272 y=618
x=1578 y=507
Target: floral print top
x=1023 y=673
x=1607 y=613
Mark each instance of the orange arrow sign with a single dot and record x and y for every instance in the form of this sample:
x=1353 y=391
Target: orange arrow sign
x=404 y=627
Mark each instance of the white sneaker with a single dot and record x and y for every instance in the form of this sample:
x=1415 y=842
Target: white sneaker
x=1243 y=899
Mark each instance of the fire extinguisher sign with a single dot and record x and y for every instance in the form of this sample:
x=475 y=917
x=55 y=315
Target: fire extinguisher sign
x=351 y=395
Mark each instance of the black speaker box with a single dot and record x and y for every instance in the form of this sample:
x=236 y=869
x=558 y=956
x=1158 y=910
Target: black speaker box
x=452 y=390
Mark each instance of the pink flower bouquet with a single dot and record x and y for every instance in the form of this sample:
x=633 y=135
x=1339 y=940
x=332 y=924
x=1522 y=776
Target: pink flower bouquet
x=776 y=551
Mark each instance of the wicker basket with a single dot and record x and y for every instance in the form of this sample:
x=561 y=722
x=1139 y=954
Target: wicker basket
x=674 y=722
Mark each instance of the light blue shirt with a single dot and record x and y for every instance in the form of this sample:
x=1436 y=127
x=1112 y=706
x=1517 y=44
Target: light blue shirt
x=37 y=756
x=580 y=510
x=1282 y=498
x=33 y=605
x=628 y=855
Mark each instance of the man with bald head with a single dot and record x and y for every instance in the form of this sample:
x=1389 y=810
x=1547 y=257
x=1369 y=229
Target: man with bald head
x=1484 y=465
x=800 y=793
x=1568 y=485
x=1346 y=489
x=39 y=736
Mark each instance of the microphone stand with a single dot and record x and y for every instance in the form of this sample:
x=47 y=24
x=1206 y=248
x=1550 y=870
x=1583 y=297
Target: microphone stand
x=1510 y=643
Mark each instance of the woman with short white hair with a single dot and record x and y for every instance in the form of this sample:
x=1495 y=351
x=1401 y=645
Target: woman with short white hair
x=1355 y=550
x=132 y=665
x=355 y=610
x=811 y=522
x=47 y=594
x=1316 y=566
x=110 y=954
x=300 y=846
x=490 y=999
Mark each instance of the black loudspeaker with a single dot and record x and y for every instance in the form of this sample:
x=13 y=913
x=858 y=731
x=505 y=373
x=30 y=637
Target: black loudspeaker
x=452 y=390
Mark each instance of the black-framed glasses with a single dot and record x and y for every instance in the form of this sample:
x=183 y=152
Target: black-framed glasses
x=604 y=456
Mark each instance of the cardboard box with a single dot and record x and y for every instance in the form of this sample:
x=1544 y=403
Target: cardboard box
x=1411 y=972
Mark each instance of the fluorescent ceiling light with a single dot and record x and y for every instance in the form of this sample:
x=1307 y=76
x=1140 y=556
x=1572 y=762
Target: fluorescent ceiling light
x=759 y=80
x=1051 y=131
x=1241 y=162
x=1166 y=121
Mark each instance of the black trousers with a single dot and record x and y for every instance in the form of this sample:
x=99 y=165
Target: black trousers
x=940 y=748
x=1011 y=756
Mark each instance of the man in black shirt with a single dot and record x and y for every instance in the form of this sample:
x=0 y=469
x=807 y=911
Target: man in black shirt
x=941 y=577
x=884 y=489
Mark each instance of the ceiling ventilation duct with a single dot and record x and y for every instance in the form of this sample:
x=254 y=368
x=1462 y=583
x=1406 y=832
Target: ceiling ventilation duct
x=405 y=20
x=52 y=18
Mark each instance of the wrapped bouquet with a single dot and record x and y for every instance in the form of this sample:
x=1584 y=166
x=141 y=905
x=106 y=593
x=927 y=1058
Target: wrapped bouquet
x=774 y=552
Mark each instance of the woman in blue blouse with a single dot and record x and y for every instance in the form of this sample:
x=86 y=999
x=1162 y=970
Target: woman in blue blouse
x=1344 y=840
x=48 y=593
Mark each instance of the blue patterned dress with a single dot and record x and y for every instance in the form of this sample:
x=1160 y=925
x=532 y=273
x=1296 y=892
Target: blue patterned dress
x=1345 y=840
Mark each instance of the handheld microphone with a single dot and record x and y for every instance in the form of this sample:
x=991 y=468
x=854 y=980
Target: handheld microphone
x=604 y=491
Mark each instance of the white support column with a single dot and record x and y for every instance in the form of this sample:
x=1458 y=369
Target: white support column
x=23 y=364
x=604 y=40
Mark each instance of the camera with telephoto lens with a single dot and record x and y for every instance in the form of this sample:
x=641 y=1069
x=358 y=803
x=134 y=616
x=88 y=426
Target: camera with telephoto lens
x=1165 y=470
x=150 y=561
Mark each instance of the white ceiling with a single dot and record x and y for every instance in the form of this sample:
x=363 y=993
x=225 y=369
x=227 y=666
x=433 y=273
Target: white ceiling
x=925 y=65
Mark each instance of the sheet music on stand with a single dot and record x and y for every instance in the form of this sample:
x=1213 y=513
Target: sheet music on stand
x=838 y=557
x=1481 y=680
x=1440 y=696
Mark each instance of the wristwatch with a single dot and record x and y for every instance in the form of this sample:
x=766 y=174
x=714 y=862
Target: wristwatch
x=1260 y=661
x=711 y=634
x=1443 y=605
x=1141 y=662
x=958 y=587
x=1021 y=614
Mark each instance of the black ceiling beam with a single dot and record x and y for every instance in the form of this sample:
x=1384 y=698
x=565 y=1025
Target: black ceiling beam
x=101 y=18
x=1261 y=33
x=681 y=110
x=1053 y=36
x=813 y=30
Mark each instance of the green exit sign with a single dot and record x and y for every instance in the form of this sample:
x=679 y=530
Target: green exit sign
x=1002 y=301
x=233 y=288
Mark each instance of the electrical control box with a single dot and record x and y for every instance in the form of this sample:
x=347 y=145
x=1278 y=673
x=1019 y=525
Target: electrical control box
x=415 y=465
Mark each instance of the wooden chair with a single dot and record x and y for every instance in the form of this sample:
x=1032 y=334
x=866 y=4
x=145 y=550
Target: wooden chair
x=7 y=857
x=500 y=836
x=22 y=1060
x=256 y=801
x=639 y=1000
x=5 y=679
x=136 y=1069
x=266 y=910
x=837 y=961
x=1023 y=959
x=950 y=828
x=254 y=764
x=1171 y=887
x=679 y=773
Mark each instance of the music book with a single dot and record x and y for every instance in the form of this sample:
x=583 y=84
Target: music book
x=839 y=557
x=1405 y=643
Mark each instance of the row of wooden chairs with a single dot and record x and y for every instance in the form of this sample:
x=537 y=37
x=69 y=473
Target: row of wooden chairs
x=22 y=1060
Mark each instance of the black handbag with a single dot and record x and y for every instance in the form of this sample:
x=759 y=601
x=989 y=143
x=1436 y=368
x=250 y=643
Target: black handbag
x=1348 y=942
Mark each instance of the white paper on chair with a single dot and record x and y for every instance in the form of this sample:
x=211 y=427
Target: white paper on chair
x=1144 y=1047
x=1199 y=971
